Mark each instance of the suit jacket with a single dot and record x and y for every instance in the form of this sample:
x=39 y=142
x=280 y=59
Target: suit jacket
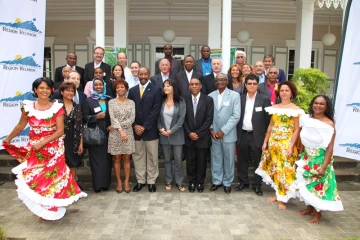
x=176 y=127
x=198 y=66
x=89 y=71
x=183 y=81
x=260 y=119
x=208 y=84
x=175 y=67
x=157 y=80
x=264 y=90
x=57 y=95
x=59 y=77
x=282 y=75
x=200 y=124
x=147 y=110
x=228 y=115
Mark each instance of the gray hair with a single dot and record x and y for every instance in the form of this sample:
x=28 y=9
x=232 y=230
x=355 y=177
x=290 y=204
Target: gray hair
x=164 y=59
x=222 y=75
x=240 y=52
x=277 y=70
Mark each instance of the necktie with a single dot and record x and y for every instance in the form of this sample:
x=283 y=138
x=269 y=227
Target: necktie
x=195 y=106
x=141 y=91
x=76 y=99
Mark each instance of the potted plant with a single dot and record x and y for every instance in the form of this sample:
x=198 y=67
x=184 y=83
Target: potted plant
x=309 y=82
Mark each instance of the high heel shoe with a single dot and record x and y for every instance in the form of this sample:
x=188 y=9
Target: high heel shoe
x=119 y=191
x=127 y=191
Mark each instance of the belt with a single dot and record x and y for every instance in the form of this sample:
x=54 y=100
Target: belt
x=247 y=131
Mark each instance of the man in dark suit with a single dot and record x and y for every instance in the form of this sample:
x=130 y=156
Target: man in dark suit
x=71 y=59
x=269 y=87
x=260 y=71
x=184 y=77
x=198 y=119
x=99 y=53
x=158 y=79
x=203 y=64
x=269 y=61
x=147 y=98
x=73 y=77
x=251 y=132
x=208 y=82
x=175 y=65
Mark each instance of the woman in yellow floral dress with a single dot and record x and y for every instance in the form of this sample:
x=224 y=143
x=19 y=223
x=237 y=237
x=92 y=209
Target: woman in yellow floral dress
x=277 y=166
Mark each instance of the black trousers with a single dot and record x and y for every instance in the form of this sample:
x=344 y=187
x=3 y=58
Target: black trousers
x=196 y=163
x=246 y=147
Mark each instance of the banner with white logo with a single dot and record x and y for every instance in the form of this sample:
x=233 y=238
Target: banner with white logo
x=347 y=89
x=22 y=36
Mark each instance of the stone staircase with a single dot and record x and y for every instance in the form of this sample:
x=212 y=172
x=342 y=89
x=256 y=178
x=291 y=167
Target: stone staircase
x=347 y=170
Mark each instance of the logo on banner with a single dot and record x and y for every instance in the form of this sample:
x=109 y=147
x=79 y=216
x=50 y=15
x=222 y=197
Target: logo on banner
x=23 y=137
x=355 y=107
x=16 y=101
x=26 y=64
x=27 y=28
x=356 y=63
x=353 y=148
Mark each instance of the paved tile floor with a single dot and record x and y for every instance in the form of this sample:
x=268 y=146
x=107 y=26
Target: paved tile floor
x=175 y=215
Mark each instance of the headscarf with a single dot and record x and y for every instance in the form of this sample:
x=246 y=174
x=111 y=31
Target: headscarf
x=99 y=96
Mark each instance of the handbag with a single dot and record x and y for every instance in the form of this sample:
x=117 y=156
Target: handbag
x=92 y=136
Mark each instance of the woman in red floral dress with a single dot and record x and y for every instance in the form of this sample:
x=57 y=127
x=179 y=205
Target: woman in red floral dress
x=44 y=182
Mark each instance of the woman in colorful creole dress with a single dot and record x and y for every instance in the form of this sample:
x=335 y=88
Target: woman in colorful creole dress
x=121 y=138
x=95 y=112
x=44 y=181
x=315 y=175
x=277 y=166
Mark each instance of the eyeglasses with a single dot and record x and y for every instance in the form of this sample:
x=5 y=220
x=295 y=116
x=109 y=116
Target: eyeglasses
x=240 y=57
x=221 y=80
x=272 y=72
x=252 y=83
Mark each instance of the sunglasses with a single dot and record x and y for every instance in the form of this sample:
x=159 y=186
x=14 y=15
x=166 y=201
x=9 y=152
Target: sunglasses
x=272 y=72
x=240 y=57
x=252 y=83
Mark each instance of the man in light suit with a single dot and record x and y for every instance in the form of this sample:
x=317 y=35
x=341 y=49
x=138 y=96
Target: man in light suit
x=269 y=87
x=184 y=77
x=160 y=78
x=251 y=132
x=99 y=53
x=175 y=65
x=203 y=64
x=269 y=61
x=198 y=119
x=224 y=133
x=208 y=82
x=147 y=98
x=71 y=60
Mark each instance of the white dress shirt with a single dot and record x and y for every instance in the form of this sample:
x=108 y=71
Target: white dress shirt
x=249 y=108
x=127 y=72
x=164 y=77
x=132 y=81
x=220 y=97
x=189 y=74
x=73 y=67
x=97 y=65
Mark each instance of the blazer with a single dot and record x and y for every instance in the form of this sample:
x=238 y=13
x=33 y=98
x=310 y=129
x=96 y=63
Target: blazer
x=260 y=119
x=176 y=127
x=157 y=80
x=89 y=71
x=147 y=110
x=200 y=124
x=59 y=77
x=282 y=76
x=183 y=81
x=264 y=90
x=228 y=115
x=89 y=114
x=198 y=66
x=208 y=84
x=57 y=95
x=176 y=67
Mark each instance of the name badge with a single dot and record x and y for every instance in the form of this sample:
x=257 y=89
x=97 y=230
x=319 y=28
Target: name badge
x=258 y=109
x=97 y=109
x=226 y=104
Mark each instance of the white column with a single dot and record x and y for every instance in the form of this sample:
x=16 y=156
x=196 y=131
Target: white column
x=226 y=35
x=344 y=10
x=214 y=36
x=304 y=33
x=100 y=22
x=121 y=14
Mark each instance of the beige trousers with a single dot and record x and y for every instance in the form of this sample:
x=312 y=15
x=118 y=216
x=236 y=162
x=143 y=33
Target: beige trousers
x=146 y=161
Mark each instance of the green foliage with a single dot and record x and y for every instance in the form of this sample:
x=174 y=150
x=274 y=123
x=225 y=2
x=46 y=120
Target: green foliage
x=111 y=55
x=309 y=82
x=3 y=234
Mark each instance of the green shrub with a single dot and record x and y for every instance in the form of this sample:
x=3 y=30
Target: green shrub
x=2 y=233
x=310 y=82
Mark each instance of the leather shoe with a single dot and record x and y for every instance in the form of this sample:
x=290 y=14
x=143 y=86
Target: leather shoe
x=200 y=188
x=152 y=188
x=191 y=187
x=241 y=187
x=258 y=191
x=214 y=187
x=138 y=187
x=227 y=189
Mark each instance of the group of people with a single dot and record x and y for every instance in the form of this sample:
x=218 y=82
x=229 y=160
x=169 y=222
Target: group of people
x=194 y=110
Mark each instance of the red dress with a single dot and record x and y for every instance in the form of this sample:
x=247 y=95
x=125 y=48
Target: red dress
x=44 y=182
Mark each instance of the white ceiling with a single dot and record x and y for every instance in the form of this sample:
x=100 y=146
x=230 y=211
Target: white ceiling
x=255 y=10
